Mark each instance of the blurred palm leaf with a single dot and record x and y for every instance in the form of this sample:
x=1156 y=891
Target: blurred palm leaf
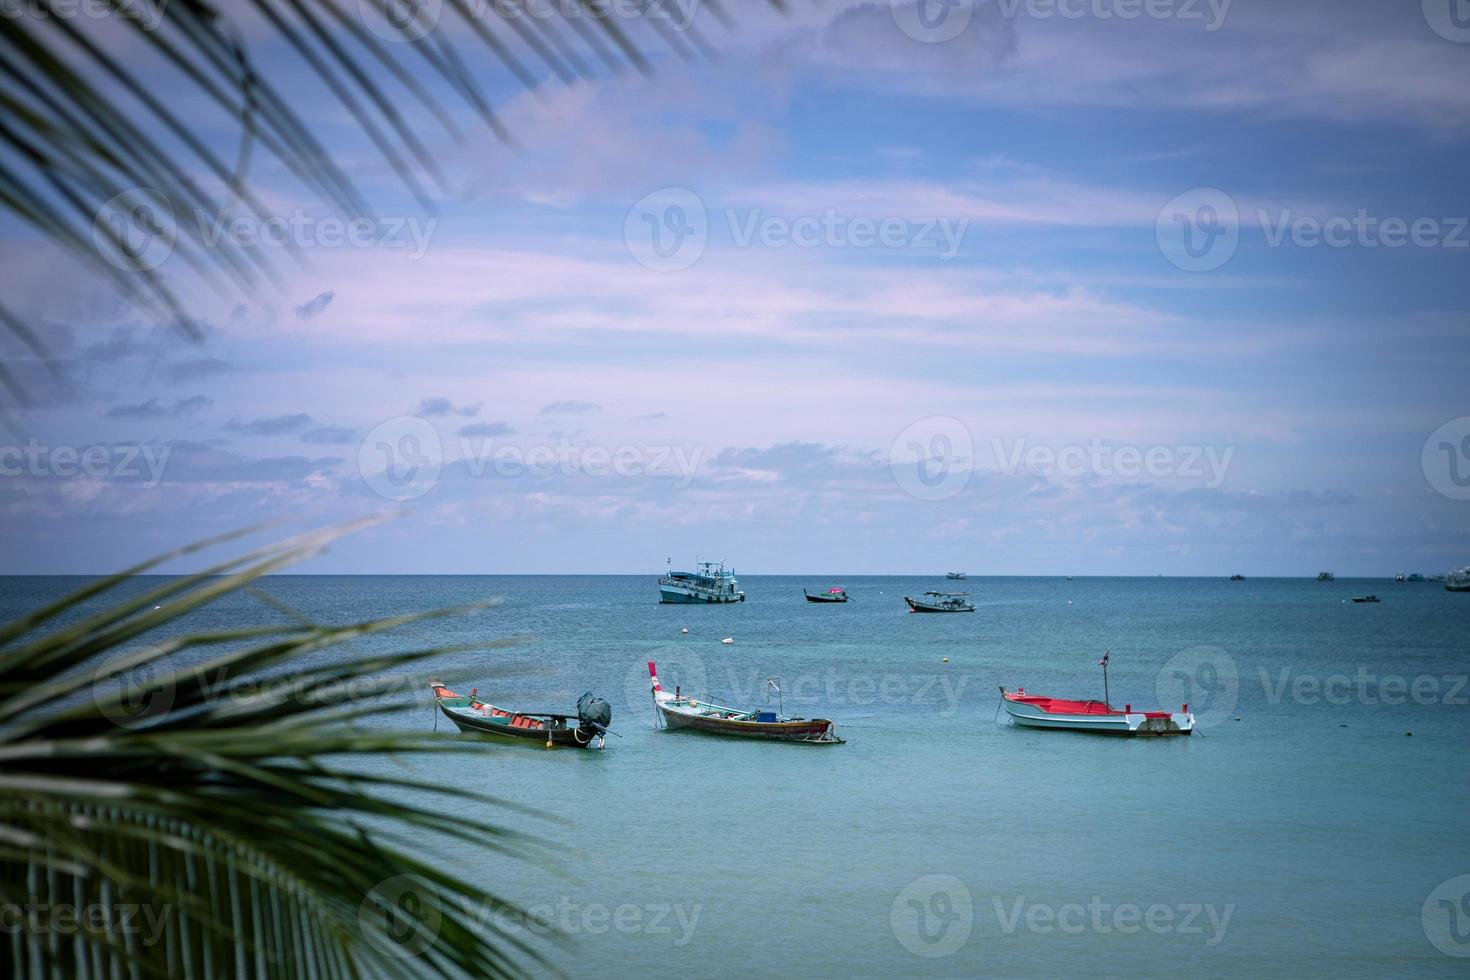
x=217 y=801
x=80 y=126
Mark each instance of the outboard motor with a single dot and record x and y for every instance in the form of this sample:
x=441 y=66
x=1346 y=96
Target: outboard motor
x=593 y=717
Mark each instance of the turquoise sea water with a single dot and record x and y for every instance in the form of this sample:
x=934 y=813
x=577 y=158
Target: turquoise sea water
x=1300 y=831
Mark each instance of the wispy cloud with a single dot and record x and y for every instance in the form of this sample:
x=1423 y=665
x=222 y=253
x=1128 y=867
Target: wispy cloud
x=153 y=408
x=273 y=425
x=329 y=435
x=315 y=305
x=198 y=368
x=569 y=407
x=486 y=429
x=436 y=407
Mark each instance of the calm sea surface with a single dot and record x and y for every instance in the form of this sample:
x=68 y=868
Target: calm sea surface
x=1301 y=831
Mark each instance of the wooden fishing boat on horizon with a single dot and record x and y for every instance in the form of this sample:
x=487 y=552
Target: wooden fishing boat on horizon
x=470 y=714
x=678 y=711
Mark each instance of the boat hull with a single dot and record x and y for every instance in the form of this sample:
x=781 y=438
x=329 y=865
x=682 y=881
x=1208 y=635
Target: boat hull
x=680 y=594
x=557 y=736
x=817 y=731
x=824 y=598
x=919 y=606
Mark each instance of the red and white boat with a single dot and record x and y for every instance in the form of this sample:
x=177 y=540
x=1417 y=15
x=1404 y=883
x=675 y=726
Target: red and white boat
x=1098 y=717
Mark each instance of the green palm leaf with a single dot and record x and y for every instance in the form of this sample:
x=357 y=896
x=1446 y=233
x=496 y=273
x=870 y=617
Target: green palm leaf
x=207 y=810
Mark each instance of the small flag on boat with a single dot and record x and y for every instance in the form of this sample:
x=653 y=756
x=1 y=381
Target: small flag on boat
x=1104 y=661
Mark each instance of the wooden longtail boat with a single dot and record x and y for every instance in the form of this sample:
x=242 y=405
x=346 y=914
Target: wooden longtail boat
x=586 y=729
x=1098 y=717
x=678 y=711
x=831 y=595
x=938 y=602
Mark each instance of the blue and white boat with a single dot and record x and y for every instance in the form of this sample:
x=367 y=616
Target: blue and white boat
x=710 y=584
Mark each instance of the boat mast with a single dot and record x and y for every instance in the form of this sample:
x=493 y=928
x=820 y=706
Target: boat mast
x=1103 y=663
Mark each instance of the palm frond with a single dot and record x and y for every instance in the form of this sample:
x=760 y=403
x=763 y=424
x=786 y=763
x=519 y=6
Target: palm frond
x=229 y=809
x=83 y=126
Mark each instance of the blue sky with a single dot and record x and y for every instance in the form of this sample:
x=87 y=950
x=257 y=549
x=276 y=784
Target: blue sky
x=1032 y=370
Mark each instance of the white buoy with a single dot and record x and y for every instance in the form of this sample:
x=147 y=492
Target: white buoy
x=728 y=640
x=684 y=630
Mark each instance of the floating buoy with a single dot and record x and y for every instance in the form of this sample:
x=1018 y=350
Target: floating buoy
x=684 y=630
x=1410 y=734
x=548 y=741
x=946 y=660
x=157 y=607
x=728 y=640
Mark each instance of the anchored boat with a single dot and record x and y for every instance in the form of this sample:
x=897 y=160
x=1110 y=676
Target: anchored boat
x=710 y=584
x=471 y=714
x=1458 y=581
x=831 y=595
x=940 y=602
x=1097 y=717
x=955 y=575
x=677 y=711
x=1035 y=711
x=1365 y=598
